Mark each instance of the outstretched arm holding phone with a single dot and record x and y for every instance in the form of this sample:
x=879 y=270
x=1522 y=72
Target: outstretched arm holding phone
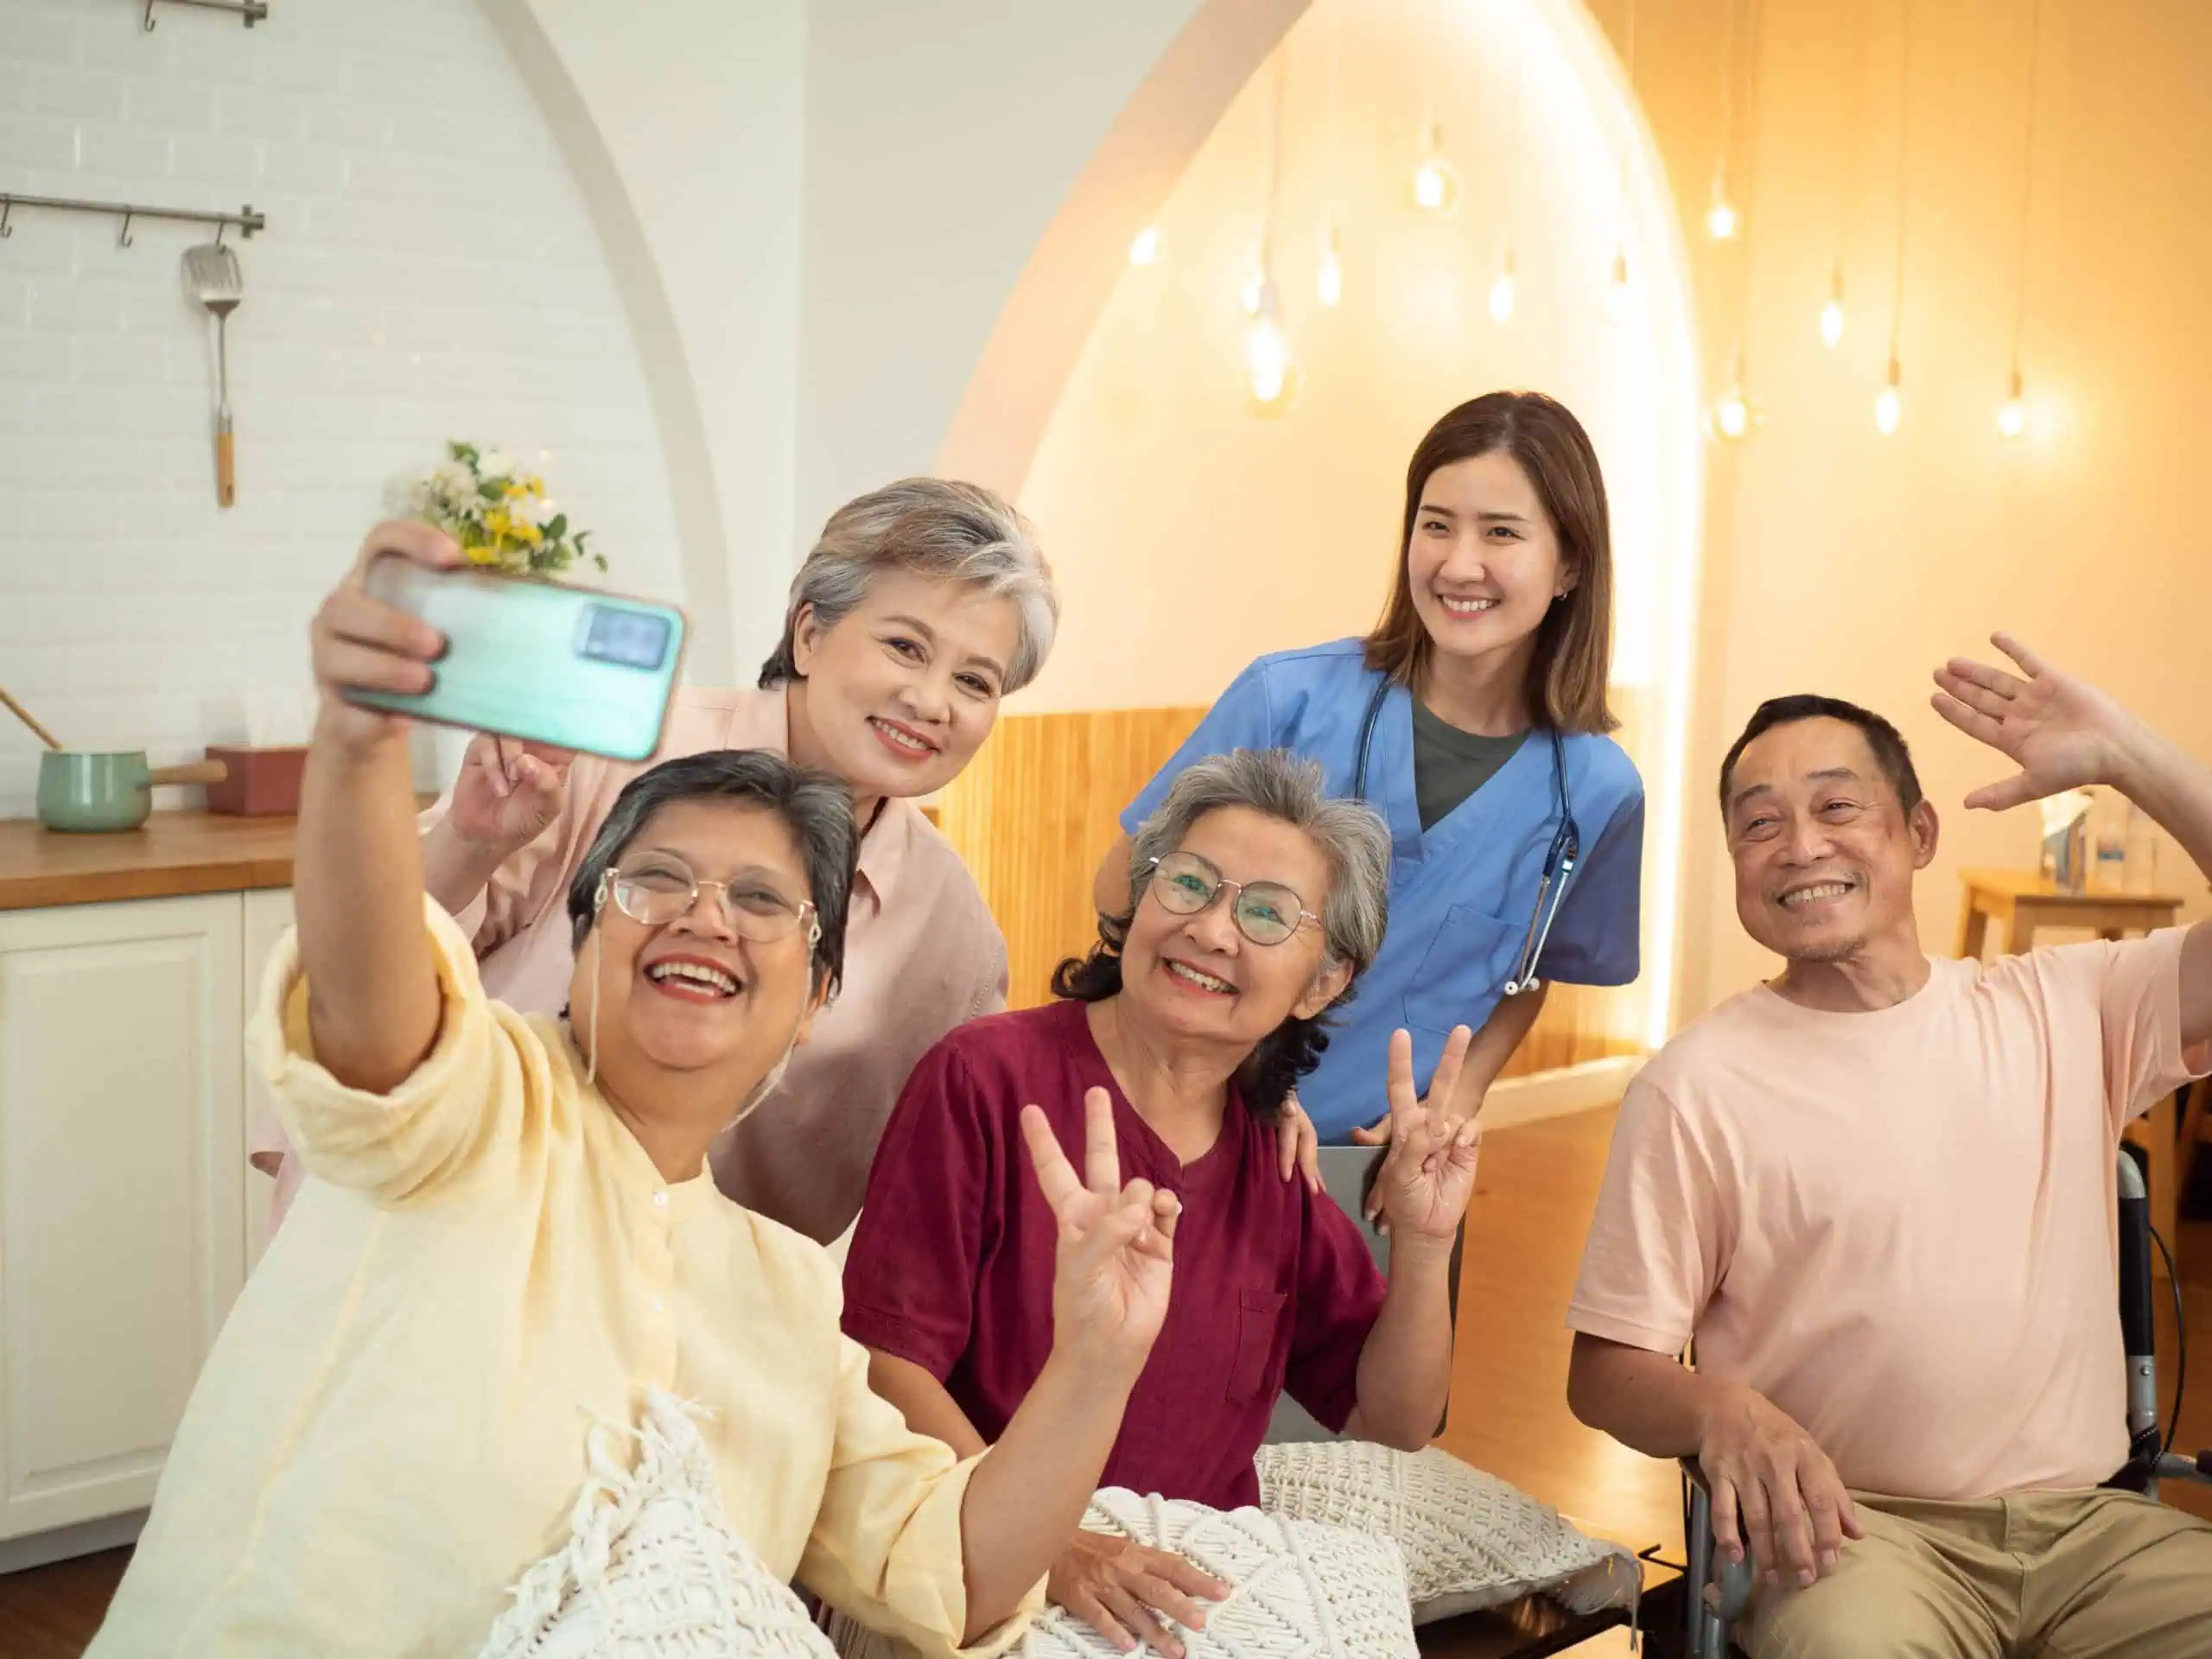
x=373 y=989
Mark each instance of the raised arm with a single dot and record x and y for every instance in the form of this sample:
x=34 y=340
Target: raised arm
x=507 y=795
x=373 y=986
x=2063 y=732
x=1423 y=1189
x=1115 y=1260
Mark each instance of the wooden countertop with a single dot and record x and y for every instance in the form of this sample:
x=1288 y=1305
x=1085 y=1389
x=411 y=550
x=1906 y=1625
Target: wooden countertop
x=172 y=853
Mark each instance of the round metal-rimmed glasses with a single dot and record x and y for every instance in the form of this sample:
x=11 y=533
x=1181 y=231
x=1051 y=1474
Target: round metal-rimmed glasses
x=1266 y=913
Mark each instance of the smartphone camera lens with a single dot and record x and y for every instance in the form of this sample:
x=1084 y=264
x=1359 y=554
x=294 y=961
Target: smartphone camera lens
x=628 y=639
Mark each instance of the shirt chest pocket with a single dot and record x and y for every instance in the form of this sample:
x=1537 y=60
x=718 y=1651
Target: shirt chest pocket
x=1258 y=1314
x=1464 y=969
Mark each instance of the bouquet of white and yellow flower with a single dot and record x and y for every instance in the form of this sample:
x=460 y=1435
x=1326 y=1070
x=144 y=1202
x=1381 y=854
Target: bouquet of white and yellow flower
x=500 y=514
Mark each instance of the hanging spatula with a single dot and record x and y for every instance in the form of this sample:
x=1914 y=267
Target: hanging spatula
x=212 y=277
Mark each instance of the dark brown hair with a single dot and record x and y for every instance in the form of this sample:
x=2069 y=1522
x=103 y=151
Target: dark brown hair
x=1574 y=642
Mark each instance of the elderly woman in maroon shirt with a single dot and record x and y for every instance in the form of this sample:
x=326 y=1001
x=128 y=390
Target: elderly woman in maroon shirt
x=1257 y=902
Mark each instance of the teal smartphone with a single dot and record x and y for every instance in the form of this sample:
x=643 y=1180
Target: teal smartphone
x=571 y=667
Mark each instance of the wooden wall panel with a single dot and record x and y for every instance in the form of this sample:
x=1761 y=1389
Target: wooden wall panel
x=1038 y=808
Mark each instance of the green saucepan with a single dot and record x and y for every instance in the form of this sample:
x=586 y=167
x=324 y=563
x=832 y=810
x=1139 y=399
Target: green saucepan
x=87 y=792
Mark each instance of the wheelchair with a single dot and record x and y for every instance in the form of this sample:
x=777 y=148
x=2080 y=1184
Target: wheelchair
x=1717 y=1590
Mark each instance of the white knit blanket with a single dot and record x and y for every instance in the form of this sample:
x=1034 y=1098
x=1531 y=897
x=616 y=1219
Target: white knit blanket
x=1298 y=1590
x=1470 y=1540
x=652 y=1570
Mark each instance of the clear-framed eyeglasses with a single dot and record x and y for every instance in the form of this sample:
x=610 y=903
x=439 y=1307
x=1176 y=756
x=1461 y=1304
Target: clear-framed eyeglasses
x=1266 y=913
x=657 y=888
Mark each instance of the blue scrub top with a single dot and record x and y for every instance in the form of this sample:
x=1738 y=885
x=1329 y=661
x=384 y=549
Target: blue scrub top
x=1462 y=895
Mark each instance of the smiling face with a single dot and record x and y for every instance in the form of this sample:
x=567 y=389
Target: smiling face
x=1197 y=976
x=1824 y=849
x=693 y=995
x=1484 y=558
x=898 y=696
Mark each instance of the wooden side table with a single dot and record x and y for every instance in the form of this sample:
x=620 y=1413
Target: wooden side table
x=2022 y=903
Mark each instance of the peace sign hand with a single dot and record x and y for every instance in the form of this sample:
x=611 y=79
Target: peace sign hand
x=1428 y=1175
x=2060 y=730
x=1115 y=1255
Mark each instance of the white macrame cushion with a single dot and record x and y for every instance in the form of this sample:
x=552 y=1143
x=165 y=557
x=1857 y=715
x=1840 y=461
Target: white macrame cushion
x=1470 y=1540
x=1298 y=1590
x=652 y=1569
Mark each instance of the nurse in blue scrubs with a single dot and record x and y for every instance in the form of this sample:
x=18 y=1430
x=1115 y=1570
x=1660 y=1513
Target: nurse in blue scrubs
x=1474 y=718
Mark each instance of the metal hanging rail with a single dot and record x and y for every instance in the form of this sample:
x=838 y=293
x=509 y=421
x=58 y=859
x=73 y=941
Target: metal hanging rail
x=251 y=11
x=245 y=219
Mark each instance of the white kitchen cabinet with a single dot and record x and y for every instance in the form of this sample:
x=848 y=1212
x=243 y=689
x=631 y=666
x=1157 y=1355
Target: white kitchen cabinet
x=124 y=1208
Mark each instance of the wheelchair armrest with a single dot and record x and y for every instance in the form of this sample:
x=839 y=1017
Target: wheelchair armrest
x=1728 y=1590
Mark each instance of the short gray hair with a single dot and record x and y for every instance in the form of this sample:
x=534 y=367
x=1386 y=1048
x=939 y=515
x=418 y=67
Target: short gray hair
x=1280 y=784
x=816 y=808
x=931 y=527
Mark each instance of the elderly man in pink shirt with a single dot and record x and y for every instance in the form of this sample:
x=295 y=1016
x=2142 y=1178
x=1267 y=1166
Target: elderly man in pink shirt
x=1878 y=1192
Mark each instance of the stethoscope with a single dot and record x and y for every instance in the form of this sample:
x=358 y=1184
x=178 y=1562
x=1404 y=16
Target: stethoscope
x=1559 y=862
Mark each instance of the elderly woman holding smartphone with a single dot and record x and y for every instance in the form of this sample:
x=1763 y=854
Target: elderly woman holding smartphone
x=513 y=1238
x=921 y=607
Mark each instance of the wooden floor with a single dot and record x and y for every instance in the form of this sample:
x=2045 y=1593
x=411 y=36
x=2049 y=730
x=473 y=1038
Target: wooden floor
x=1509 y=1411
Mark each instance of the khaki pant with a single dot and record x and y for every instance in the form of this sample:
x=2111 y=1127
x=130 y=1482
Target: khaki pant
x=2070 y=1575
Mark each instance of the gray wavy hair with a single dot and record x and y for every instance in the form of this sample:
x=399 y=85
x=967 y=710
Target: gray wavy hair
x=1278 y=783
x=1352 y=839
x=932 y=527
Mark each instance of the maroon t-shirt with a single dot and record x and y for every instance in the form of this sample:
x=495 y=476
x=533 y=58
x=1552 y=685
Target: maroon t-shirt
x=952 y=1266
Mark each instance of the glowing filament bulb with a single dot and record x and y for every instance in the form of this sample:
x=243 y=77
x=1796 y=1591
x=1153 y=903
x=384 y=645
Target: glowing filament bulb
x=1270 y=371
x=1436 y=182
x=1721 y=219
x=1889 y=407
x=2012 y=413
x=1501 y=291
x=1146 y=248
x=1329 y=281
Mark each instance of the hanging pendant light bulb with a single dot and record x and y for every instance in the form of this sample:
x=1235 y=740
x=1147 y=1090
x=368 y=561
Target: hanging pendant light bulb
x=1889 y=406
x=1255 y=283
x=1329 y=281
x=1721 y=219
x=1145 y=248
x=1831 y=313
x=1617 y=290
x=1501 y=290
x=2012 y=413
x=1436 y=182
x=1731 y=415
x=1270 y=371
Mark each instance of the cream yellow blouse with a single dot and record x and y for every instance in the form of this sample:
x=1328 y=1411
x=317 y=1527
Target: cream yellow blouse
x=391 y=1427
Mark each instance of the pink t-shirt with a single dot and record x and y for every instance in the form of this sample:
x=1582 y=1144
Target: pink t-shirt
x=922 y=954
x=1900 y=1226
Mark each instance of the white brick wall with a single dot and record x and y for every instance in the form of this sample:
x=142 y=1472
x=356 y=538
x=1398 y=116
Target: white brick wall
x=429 y=272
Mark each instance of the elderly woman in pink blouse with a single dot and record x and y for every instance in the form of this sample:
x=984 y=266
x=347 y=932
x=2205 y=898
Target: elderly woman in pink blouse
x=922 y=605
